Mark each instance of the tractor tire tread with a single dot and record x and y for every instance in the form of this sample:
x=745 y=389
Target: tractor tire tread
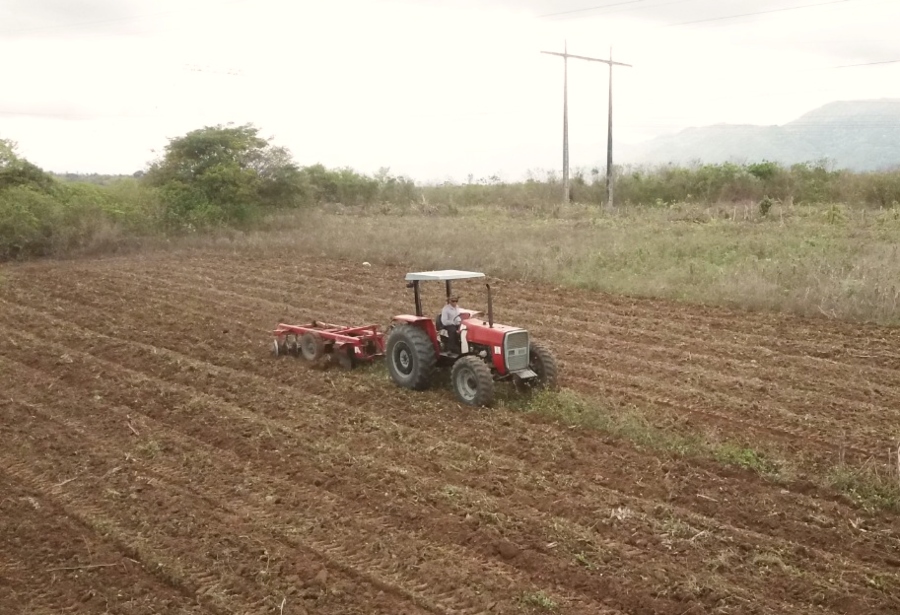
x=544 y=364
x=484 y=380
x=423 y=354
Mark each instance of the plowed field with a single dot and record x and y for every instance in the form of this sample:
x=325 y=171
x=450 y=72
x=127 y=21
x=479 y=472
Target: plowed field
x=154 y=458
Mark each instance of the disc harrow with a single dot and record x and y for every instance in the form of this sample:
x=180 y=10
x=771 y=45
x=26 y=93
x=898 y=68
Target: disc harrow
x=318 y=341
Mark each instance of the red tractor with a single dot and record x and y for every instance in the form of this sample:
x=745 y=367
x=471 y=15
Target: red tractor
x=485 y=351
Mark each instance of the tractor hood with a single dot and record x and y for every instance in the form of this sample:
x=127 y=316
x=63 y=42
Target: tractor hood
x=473 y=322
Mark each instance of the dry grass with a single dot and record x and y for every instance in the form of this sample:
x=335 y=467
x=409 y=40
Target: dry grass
x=843 y=263
x=831 y=260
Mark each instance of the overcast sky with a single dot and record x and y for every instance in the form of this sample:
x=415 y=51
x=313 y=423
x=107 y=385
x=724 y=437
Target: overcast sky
x=432 y=89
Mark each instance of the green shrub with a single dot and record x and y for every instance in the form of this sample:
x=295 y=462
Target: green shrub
x=220 y=174
x=29 y=217
x=23 y=173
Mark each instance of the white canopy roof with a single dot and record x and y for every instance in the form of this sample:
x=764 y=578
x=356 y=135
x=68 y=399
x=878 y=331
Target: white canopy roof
x=445 y=274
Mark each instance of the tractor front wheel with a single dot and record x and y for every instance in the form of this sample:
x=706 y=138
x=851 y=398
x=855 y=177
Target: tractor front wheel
x=472 y=381
x=542 y=362
x=411 y=357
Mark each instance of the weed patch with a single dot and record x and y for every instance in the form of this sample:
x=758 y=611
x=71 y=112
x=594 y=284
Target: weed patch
x=539 y=599
x=747 y=458
x=869 y=487
x=572 y=409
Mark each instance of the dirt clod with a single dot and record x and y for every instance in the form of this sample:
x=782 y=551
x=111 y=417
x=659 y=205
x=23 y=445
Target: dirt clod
x=321 y=579
x=507 y=550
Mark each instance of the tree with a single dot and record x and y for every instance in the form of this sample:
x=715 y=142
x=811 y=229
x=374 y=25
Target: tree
x=7 y=153
x=16 y=171
x=220 y=173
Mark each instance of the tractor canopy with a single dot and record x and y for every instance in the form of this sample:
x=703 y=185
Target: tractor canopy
x=447 y=276
x=442 y=275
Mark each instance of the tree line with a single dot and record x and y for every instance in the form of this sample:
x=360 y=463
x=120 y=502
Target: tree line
x=230 y=175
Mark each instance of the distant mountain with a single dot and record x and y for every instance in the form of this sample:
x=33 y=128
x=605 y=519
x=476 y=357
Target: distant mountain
x=857 y=135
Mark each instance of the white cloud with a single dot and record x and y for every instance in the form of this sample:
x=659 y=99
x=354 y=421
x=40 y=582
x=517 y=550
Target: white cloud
x=432 y=89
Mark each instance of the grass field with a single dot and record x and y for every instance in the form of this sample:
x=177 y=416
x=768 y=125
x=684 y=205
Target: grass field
x=834 y=262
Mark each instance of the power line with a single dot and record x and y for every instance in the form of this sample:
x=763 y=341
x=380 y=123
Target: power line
x=616 y=7
x=865 y=64
x=574 y=12
x=790 y=8
x=593 y=8
x=98 y=22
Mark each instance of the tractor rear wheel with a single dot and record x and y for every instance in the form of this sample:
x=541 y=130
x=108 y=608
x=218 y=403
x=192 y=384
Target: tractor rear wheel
x=472 y=381
x=410 y=357
x=542 y=362
x=312 y=346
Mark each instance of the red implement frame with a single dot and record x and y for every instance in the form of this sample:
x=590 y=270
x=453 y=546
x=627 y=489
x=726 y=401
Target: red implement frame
x=354 y=343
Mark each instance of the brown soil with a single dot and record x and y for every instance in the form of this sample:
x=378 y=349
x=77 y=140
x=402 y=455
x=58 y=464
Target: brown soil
x=157 y=459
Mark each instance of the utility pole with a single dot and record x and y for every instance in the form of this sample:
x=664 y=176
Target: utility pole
x=609 y=148
x=565 y=122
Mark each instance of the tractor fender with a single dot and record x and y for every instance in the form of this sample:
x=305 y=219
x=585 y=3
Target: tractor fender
x=423 y=323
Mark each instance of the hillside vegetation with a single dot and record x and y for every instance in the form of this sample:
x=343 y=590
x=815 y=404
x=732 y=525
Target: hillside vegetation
x=803 y=238
x=861 y=135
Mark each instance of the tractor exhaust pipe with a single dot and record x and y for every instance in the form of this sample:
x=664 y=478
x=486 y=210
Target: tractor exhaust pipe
x=490 y=308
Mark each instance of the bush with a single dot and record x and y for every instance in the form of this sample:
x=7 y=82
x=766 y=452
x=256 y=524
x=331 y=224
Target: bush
x=40 y=216
x=71 y=218
x=23 y=173
x=29 y=218
x=221 y=174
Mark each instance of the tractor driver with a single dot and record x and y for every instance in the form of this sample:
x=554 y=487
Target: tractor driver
x=450 y=319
